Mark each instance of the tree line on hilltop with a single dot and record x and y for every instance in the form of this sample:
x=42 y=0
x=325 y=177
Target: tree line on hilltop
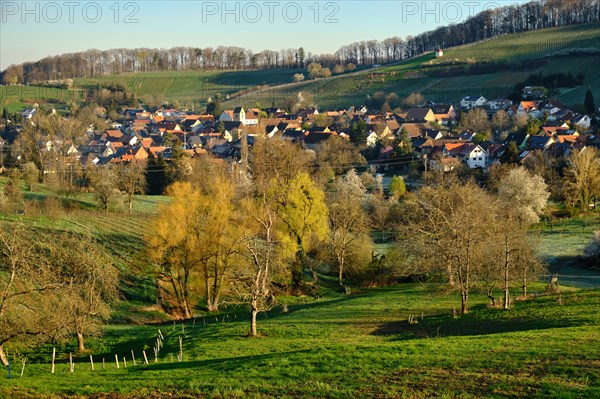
x=487 y=24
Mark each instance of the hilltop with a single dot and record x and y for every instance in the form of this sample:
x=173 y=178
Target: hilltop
x=490 y=68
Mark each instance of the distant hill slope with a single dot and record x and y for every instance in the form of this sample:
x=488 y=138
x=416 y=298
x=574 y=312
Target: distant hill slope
x=190 y=86
x=537 y=51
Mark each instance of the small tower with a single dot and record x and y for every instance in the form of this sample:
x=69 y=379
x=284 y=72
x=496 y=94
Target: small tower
x=439 y=53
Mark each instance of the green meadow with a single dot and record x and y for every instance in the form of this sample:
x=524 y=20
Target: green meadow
x=402 y=341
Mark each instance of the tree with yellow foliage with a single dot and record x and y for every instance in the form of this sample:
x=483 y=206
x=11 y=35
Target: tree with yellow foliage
x=193 y=242
x=303 y=214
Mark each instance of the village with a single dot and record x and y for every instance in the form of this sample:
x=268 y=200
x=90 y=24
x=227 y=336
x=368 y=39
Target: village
x=434 y=134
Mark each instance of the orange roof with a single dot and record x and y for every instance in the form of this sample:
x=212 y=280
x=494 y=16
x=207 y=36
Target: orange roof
x=114 y=133
x=146 y=142
x=157 y=150
x=528 y=104
x=453 y=146
x=568 y=138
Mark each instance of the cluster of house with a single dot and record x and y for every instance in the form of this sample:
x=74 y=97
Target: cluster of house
x=561 y=132
x=142 y=133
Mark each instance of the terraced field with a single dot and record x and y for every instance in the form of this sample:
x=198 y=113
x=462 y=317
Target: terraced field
x=528 y=45
x=263 y=87
x=414 y=75
x=190 y=86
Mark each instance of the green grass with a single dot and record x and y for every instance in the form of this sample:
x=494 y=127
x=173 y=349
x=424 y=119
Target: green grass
x=190 y=86
x=527 y=45
x=333 y=346
x=17 y=98
x=349 y=346
x=561 y=243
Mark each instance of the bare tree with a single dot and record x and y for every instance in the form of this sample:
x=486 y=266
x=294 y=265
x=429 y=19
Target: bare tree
x=446 y=230
x=103 y=180
x=89 y=284
x=28 y=284
x=582 y=177
x=254 y=281
x=348 y=222
x=131 y=181
x=476 y=120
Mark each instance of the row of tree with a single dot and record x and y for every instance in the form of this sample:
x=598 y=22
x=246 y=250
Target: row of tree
x=244 y=233
x=247 y=236
x=487 y=24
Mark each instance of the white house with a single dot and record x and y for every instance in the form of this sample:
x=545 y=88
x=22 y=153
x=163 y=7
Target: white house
x=471 y=102
x=439 y=53
x=499 y=103
x=372 y=139
x=583 y=121
x=529 y=108
x=251 y=118
x=471 y=154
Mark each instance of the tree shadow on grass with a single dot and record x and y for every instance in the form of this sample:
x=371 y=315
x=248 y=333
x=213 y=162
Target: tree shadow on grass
x=221 y=364
x=439 y=326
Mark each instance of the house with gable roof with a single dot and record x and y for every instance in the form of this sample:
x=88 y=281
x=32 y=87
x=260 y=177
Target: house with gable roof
x=471 y=102
x=471 y=154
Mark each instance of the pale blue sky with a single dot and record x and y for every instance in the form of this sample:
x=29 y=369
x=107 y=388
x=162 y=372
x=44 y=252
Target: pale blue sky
x=32 y=30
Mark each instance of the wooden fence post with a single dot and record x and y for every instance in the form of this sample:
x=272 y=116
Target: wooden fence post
x=53 y=358
x=117 y=360
x=92 y=362
x=181 y=348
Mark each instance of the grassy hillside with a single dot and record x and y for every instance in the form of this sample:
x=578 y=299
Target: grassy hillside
x=118 y=233
x=523 y=46
x=347 y=346
x=262 y=87
x=416 y=74
x=334 y=346
x=17 y=98
x=190 y=86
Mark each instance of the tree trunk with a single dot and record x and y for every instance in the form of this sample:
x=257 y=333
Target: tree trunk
x=80 y=344
x=253 y=313
x=3 y=358
x=341 y=274
x=524 y=286
x=299 y=265
x=464 y=296
x=506 y=274
x=450 y=275
x=491 y=297
x=187 y=314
